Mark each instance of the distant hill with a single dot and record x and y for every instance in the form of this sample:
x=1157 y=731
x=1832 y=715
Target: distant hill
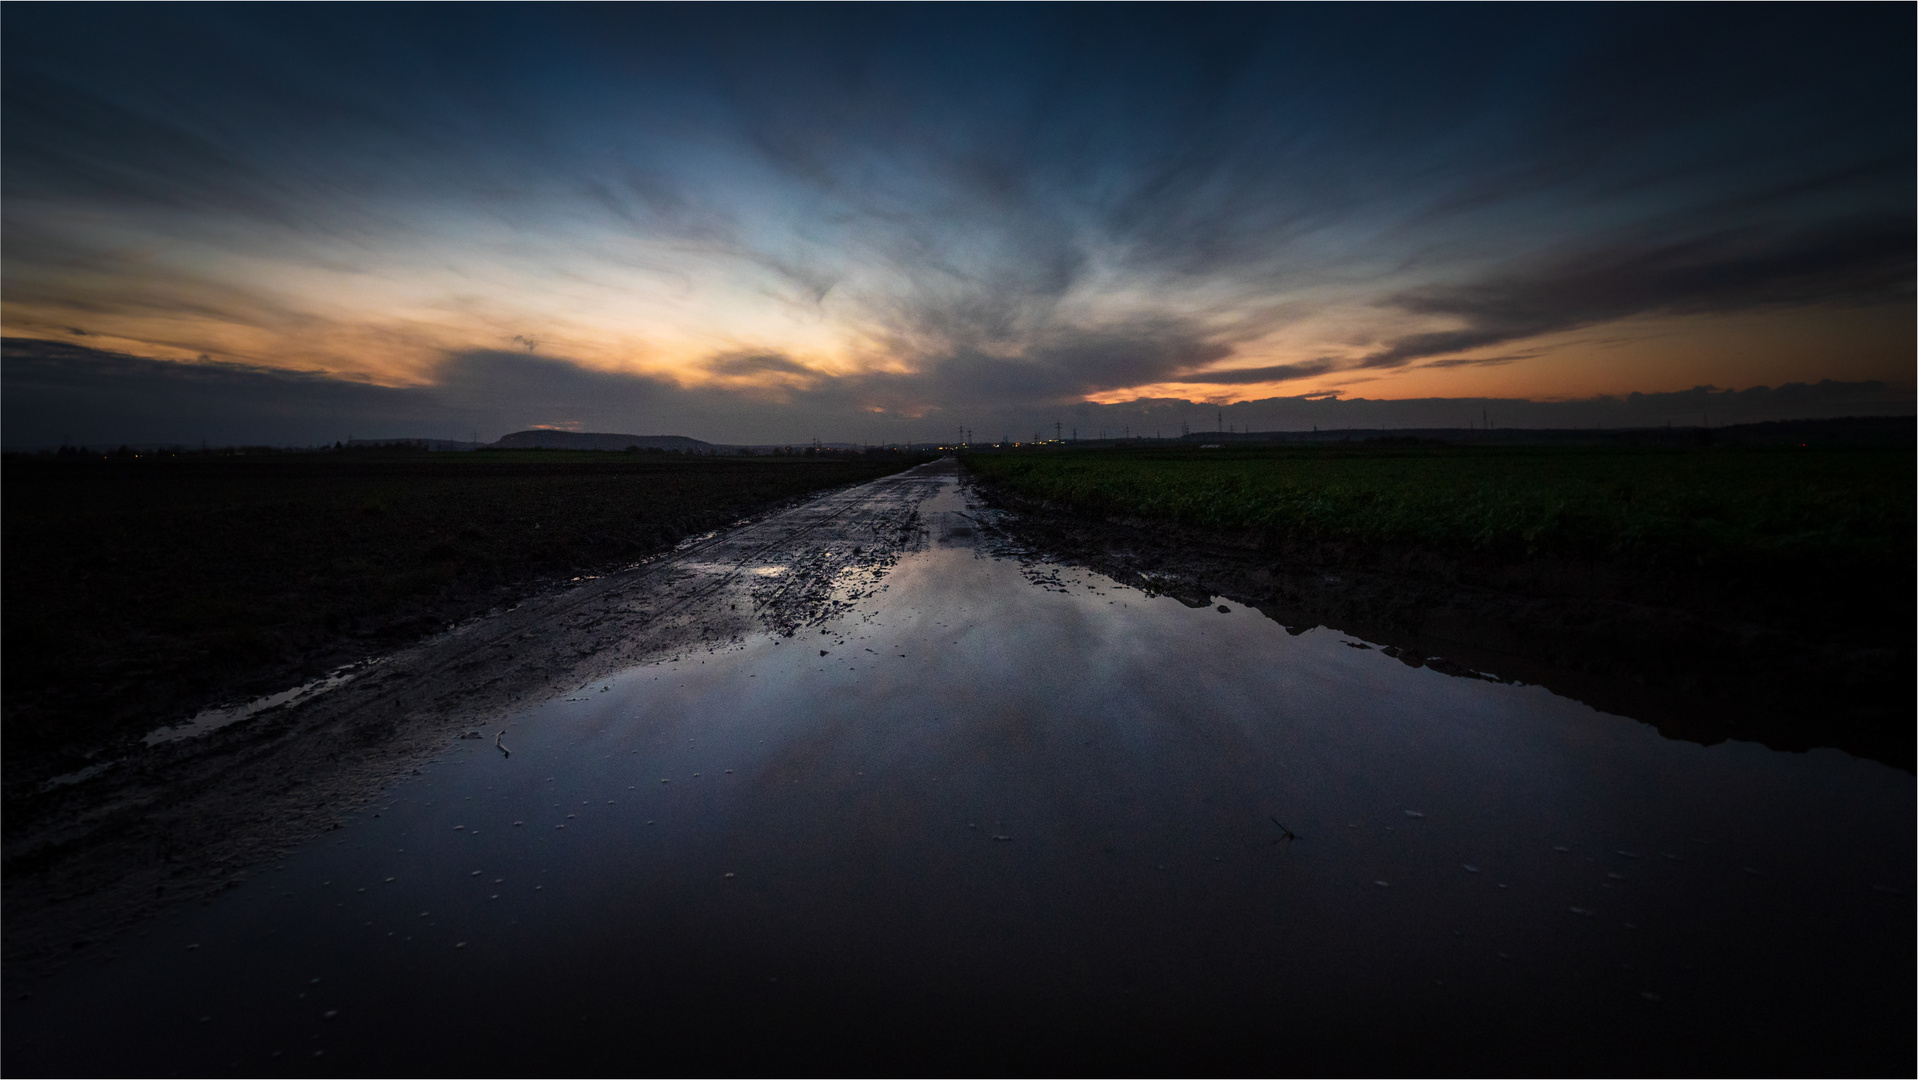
x=596 y=440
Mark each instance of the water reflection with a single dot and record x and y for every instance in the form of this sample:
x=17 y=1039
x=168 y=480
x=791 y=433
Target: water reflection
x=1003 y=813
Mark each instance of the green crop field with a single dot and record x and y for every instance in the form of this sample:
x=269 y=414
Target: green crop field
x=1745 y=508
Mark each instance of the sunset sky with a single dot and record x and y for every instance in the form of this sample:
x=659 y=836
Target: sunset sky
x=872 y=223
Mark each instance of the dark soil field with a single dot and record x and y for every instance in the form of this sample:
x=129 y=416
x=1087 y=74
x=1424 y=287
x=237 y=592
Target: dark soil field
x=1720 y=592
x=141 y=589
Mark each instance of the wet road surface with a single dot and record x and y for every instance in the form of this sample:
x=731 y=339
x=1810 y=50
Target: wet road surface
x=994 y=813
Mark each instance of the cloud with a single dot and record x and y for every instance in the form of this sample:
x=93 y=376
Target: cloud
x=1055 y=365
x=1481 y=361
x=1252 y=376
x=56 y=392
x=1823 y=399
x=1856 y=261
x=748 y=365
x=83 y=144
x=996 y=214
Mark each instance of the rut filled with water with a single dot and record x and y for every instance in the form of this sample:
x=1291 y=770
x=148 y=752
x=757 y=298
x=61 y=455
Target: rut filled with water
x=1000 y=813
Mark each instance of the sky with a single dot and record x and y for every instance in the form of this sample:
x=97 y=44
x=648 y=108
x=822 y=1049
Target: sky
x=296 y=223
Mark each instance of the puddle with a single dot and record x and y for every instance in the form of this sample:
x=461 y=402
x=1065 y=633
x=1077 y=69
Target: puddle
x=215 y=719
x=995 y=806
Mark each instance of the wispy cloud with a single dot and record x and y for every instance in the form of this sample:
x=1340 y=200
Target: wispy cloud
x=1481 y=361
x=926 y=211
x=1255 y=376
x=1860 y=261
x=58 y=392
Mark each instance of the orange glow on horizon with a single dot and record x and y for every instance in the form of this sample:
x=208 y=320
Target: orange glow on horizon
x=410 y=349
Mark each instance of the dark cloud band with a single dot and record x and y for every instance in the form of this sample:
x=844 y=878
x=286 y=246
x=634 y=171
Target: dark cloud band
x=57 y=393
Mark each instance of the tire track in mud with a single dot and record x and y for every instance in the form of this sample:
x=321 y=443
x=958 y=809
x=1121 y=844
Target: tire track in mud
x=182 y=820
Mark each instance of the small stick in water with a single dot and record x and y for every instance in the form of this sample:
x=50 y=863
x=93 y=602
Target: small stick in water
x=501 y=745
x=1288 y=833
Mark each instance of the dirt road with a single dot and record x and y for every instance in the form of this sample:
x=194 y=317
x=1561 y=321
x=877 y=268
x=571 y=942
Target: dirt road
x=866 y=787
x=190 y=817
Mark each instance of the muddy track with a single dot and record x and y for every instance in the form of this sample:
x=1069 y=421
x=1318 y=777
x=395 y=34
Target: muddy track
x=179 y=821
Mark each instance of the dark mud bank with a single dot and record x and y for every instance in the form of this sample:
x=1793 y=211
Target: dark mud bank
x=1702 y=660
